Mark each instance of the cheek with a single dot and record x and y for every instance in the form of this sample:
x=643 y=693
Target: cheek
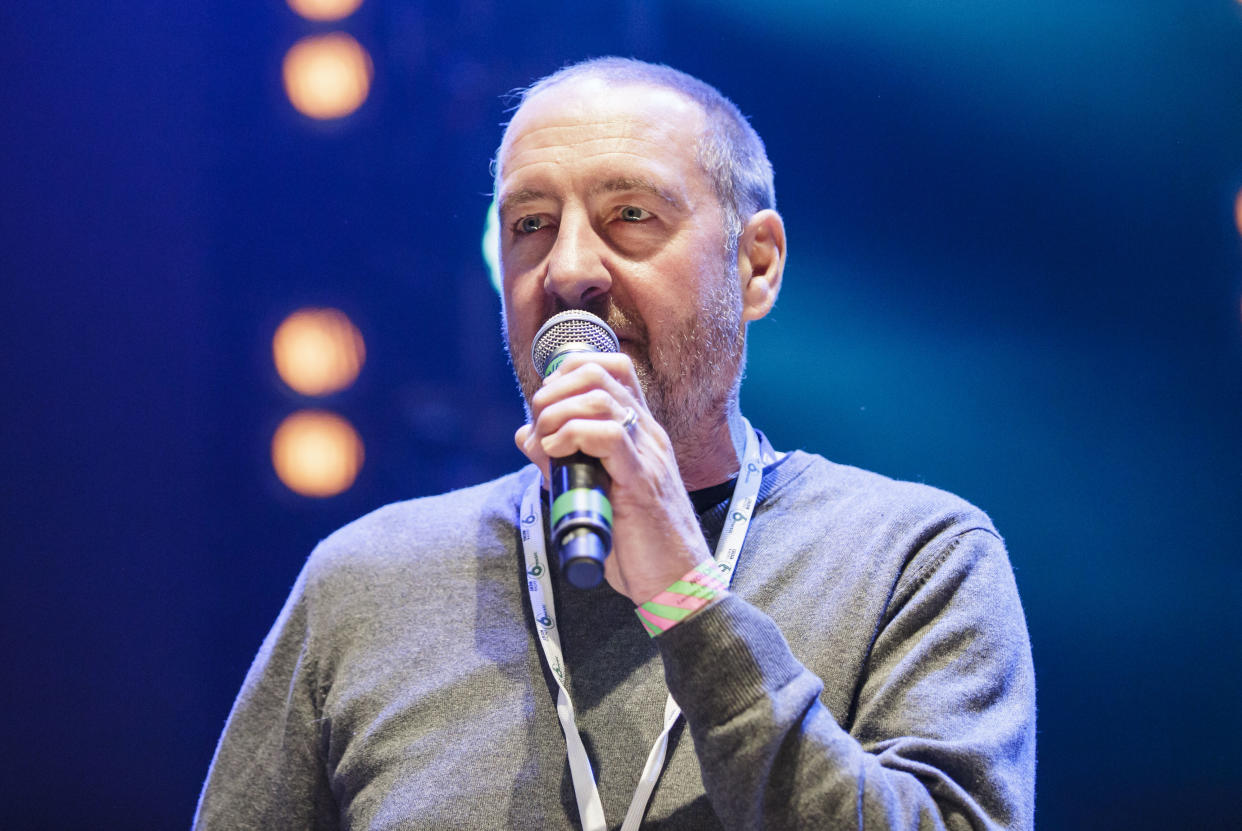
x=521 y=254
x=521 y=275
x=515 y=286
x=517 y=330
x=523 y=312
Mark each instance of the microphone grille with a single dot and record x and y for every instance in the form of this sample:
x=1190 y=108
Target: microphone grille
x=574 y=327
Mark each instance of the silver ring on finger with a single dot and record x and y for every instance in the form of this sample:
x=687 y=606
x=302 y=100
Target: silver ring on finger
x=631 y=418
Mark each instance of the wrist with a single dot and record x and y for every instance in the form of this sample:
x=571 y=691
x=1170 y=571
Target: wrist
x=670 y=571
x=684 y=597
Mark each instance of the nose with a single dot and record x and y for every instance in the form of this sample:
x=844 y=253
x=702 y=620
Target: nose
x=577 y=273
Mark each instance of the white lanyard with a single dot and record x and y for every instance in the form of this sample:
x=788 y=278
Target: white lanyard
x=539 y=586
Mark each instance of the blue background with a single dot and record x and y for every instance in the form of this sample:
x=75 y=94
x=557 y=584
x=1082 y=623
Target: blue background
x=1014 y=273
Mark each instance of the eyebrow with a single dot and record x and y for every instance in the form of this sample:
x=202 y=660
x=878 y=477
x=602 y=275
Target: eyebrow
x=627 y=183
x=518 y=197
x=619 y=184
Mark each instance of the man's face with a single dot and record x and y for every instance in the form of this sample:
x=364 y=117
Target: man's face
x=604 y=207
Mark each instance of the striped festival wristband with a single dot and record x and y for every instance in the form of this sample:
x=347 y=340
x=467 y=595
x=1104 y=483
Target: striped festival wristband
x=692 y=592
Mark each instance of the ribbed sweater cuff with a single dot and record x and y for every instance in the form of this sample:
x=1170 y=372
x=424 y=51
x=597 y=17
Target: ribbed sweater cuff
x=723 y=659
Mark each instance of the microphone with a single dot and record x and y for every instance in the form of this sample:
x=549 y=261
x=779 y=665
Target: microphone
x=581 y=522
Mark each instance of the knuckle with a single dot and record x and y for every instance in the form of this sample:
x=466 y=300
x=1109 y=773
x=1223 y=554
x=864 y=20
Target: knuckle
x=600 y=401
x=593 y=372
x=539 y=401
x=543 y=423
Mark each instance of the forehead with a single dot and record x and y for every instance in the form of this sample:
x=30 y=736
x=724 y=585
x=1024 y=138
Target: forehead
x=592 y=125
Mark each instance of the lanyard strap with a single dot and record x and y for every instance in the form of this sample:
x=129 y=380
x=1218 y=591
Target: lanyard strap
x=539 y=587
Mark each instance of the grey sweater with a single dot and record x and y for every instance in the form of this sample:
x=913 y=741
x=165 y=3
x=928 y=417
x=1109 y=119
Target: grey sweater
x=871 y=669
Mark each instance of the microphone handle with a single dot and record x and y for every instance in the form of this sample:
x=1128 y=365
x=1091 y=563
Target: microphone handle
x=581 y=518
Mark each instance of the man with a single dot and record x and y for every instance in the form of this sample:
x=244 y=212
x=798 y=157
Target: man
x=868 y=666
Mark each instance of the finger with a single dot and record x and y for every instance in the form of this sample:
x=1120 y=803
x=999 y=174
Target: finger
x=581 y=390
x=606 y=440
x=591 y=404
x=589 y=380
x=617 y=365
x=529 y=446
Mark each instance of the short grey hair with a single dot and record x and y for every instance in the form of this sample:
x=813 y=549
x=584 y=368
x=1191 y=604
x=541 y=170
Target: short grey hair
x=729 y=150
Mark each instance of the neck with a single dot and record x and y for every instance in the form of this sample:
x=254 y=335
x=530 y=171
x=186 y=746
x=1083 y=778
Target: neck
x=713 y=455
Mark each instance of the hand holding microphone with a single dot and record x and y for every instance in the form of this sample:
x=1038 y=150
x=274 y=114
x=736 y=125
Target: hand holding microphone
x=581 y=515
x=614 y=479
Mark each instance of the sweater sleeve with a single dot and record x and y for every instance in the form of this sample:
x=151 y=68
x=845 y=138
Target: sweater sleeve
x=942 y=734
x=268 y=771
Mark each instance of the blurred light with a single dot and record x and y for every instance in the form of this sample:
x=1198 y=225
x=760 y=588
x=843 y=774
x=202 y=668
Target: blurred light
x=1237 y=205
x=491 y=244
x=327 y=76
x=316 y=453
x=318 y=351
x=324 y=9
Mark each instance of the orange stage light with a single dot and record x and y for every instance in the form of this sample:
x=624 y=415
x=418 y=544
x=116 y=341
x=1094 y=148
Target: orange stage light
x=324 y=9
x=327 y=76
x=318 y=351
x=316 y=453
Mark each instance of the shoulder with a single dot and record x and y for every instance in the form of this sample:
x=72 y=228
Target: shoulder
x=426 y=535
x=878 y=546
x=893 y=531
x=875 y=499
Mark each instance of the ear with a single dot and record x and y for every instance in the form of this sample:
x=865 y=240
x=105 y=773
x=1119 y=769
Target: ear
x=761 y=262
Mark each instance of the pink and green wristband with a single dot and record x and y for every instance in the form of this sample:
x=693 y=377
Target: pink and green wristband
x=692 y=592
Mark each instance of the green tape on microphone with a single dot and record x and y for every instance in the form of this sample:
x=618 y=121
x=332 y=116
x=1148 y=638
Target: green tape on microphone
x=556 y=361
x=585 y=500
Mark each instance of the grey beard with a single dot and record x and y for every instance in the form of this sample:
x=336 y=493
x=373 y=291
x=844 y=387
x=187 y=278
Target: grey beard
x=699 y=384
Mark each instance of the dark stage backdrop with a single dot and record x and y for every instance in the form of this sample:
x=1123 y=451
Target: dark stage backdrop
x=1014 y=273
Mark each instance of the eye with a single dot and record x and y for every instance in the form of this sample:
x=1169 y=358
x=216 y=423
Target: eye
x=529 y=224
x=633 y=213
